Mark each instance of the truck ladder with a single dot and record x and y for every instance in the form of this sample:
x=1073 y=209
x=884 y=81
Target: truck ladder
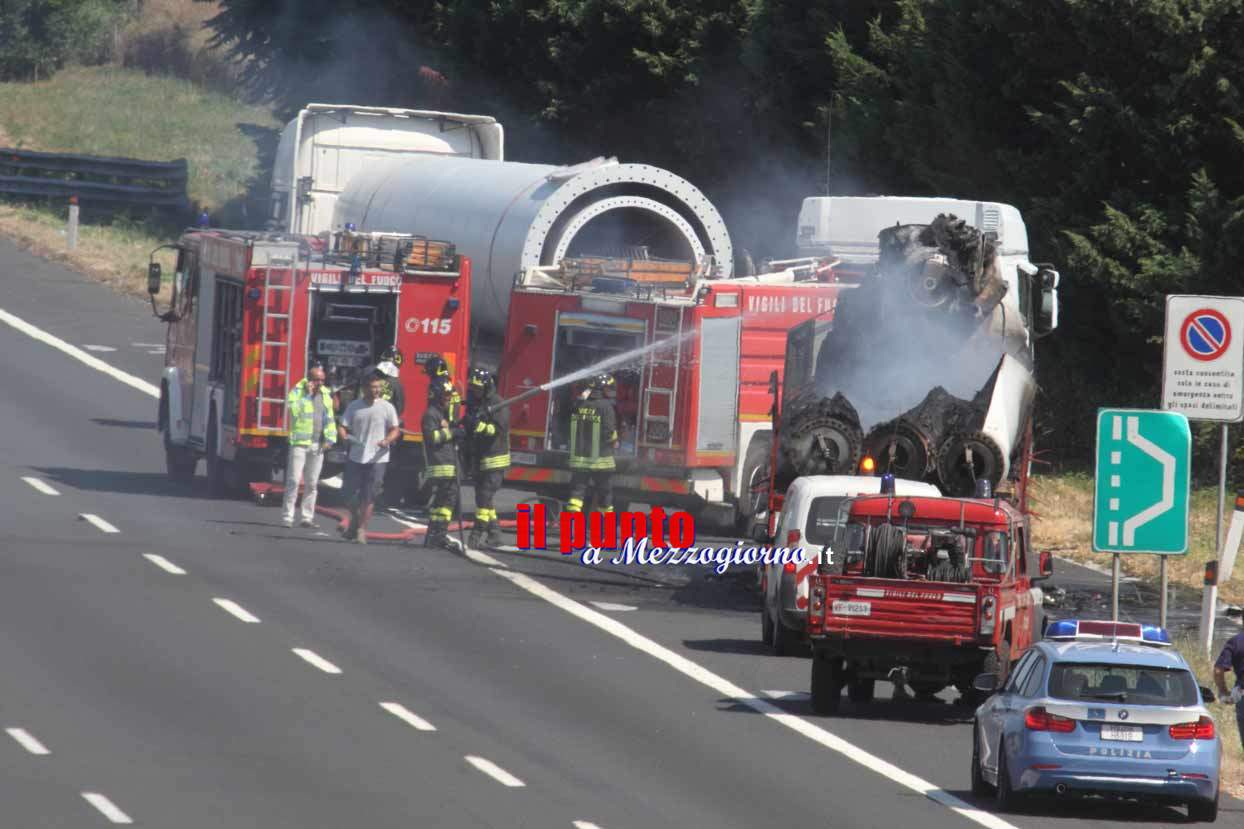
x=653 y=390
x=277 y=295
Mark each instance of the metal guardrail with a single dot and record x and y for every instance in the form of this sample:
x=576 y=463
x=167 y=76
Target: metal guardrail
x=95 y=180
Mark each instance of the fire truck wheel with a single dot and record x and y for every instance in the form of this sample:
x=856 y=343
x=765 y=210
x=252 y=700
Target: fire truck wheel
x=755 y=464
x=180 y=461
x=827 y=674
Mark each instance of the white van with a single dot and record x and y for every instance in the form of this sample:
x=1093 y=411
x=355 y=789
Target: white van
x=809 y=516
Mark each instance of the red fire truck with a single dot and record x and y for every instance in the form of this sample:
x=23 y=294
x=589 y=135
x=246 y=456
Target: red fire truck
x=248 y=311
x=694 y=419
x=925 y=590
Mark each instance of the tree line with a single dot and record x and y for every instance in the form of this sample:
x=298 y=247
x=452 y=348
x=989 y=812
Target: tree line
x=1115 y=126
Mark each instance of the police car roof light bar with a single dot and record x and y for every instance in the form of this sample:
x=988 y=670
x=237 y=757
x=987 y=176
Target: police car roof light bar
x=1068 y=630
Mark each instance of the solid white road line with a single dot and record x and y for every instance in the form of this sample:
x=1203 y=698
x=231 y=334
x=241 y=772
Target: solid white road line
x=164 y=564
x=318 y=661
x=407 y=716
x=106 y=807
x=474 y=555
x=617 y=608
x=27 y=741
x=78 y=354
x=234 y=609
x=97 y=522
x=40 y=486
x=494 y=771
x=728 y=689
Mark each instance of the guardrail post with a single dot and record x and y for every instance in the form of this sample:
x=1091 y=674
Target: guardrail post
x=72 y=231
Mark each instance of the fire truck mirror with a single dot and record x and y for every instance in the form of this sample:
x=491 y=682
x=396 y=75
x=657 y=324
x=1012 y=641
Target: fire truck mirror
x=154 y=278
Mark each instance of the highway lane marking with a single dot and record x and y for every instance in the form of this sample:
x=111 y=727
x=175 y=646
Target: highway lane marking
x=494 y=771
x=97 y=522
x=106 y=807
x=236 y=610
x=27 y=741
x=790 y=695
x=733 y=692
x=40 y=486
x=583 y=824
x=617 y=608
x=99 y=348
x=78 y=354
x=407 y=716
x=317 y=660
x=164 y=564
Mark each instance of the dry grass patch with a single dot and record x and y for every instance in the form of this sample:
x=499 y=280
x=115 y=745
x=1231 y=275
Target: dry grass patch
x=1065 y=524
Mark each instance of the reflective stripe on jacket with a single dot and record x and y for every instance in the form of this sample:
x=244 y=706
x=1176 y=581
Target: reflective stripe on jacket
x=593 y=432
x=490 y=442
x=302 y=416
x=439 y=457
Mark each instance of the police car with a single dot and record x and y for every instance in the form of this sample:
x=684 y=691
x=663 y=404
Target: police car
x=1098 y=708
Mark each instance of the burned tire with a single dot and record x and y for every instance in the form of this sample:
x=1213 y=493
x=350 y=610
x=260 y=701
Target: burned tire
x=959 y=475
x=821 y=437
x=755 y=463
x=911 y=456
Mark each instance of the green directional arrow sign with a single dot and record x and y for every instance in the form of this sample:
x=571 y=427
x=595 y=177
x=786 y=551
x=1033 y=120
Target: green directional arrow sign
x=1140 y=497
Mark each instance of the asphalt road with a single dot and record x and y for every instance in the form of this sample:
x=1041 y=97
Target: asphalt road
x=173 y=660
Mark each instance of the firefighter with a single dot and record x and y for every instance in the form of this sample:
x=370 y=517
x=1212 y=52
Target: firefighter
x=440 y=467
x=488 y=438
x=593 y=440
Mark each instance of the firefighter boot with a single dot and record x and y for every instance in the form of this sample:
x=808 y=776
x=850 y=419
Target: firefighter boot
x=437 y=534
x=495 y=539
x=476 y=538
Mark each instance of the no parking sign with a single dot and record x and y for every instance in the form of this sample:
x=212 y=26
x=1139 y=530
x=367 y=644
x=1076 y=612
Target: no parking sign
x=1203 y=357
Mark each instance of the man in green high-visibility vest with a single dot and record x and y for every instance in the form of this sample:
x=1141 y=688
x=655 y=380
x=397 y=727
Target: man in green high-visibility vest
x=312 y=429
x=593 y=440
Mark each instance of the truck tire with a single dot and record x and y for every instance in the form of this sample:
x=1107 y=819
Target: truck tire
x=754 y=464
x=826 y=684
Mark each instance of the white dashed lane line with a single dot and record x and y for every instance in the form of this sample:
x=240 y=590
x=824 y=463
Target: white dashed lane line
x=407 y=716
x=40 y=486
x=494 y=771
x=318 y=661
x=583 y=824
x=27 y=741
x=97 y=522
x=106 y=807
x=237 y=611
x=164 y=564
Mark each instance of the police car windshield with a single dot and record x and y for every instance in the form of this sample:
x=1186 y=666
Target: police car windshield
x=1133 y=684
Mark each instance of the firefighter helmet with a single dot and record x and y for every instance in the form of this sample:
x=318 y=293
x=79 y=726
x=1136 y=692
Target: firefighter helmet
x=602 y=384
x=435 y=366
x=391 y=355
x=387 y=369
x=482 y=380
x=439 y=390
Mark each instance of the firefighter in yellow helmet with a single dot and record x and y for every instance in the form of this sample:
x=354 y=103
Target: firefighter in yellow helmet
x=488 y=438
x=593 y=441
x=440 y=460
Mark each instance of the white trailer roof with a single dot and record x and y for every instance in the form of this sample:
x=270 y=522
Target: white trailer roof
x=847 y=226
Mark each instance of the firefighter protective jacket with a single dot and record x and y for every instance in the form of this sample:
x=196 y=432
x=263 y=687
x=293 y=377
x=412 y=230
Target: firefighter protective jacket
x=593 y=432
x=490 y=438
x=440 y=458
x=302 y=415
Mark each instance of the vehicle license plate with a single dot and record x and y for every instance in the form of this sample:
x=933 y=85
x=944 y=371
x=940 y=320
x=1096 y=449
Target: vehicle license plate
x=1128 y=733
x=841 y=608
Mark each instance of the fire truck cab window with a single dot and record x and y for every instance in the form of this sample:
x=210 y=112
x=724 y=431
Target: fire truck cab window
x=578 y=348
x=994 y=552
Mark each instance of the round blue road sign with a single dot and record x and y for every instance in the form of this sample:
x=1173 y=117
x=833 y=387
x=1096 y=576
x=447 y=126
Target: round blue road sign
x=1205 y=334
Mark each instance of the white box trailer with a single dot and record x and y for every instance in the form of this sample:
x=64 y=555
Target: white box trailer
x=326 y=145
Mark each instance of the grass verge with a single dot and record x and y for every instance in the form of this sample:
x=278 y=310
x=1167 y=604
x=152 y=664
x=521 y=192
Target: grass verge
x=1064 y=505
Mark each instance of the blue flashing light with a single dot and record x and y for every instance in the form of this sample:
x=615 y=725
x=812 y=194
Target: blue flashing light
x=1090 y=630
x=204 y=220
x=887 y=484
x=349 y=227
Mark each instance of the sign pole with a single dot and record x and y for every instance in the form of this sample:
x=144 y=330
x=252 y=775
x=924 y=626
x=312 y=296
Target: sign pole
x=1165 y=587
x=1114 y=589
x=1209 y=598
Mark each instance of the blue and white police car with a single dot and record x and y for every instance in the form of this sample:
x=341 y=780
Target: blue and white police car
x=1098 y=709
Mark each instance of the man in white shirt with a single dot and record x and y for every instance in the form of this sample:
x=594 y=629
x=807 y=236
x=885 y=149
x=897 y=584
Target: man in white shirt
x=370 y=425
